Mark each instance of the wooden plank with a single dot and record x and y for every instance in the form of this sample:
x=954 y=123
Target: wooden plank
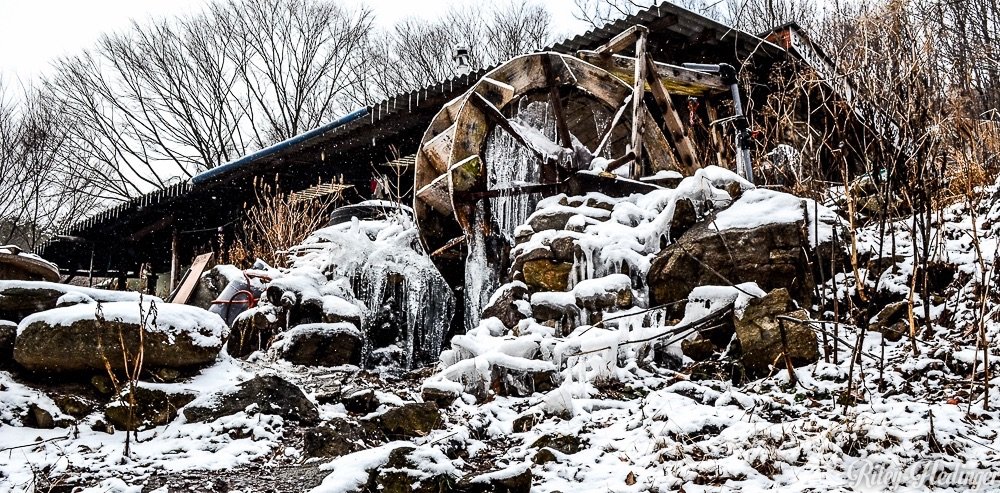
x=191 y=278
x=493 y=114
x=438 y=150
x=449 y=245
x=437 y=195
x=523 y=73
x=622 y=41
x=661 y=154
x=595 y=81
x=175 y=258
x=717 y=141
x=555 y=101
x=609 y=132
x=638 y=116
x=675 y=126
x=494 y=91
x=465 y=173
x=678 y=80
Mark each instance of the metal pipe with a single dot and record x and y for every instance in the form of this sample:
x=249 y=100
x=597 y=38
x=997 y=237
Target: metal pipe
x=218 y=171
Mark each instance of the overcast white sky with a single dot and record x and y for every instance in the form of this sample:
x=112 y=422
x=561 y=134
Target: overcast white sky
x=33 y=32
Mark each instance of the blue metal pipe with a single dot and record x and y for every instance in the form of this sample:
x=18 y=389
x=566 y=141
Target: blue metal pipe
x=219 y=171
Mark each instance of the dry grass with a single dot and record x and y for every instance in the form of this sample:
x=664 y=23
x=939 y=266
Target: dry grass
x=274 y=222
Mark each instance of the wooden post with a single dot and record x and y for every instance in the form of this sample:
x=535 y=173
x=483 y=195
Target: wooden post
x=638 y=91
x=672 y=121
x=175 y=258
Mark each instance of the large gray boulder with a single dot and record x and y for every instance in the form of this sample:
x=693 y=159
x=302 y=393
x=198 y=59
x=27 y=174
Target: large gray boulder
x=145 y=407
x=759 y=332
x=18 y=299
x=321 y=344
x=772 y=255
x=8 y=332
x=88 y=337
x=264 y=394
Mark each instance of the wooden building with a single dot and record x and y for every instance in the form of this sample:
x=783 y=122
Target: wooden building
x=165 y=229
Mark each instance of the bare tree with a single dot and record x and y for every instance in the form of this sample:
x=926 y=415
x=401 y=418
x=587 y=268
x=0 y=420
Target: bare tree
x=416 y=53
x=38 y=193
x=176 y=97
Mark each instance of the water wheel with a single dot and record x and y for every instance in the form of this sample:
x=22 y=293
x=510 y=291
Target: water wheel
x=549 y=116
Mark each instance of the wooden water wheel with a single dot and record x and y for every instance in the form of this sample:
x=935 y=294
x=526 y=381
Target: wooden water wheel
x=595 y=118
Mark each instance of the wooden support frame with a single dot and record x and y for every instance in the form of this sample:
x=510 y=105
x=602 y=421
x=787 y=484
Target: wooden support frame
x=638 y=94
x=672 y=121
x=175 y=258
x=623 y=40
x=494 y=115
x=679 y=80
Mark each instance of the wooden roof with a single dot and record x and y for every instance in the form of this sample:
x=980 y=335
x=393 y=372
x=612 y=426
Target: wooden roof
x=139 y=230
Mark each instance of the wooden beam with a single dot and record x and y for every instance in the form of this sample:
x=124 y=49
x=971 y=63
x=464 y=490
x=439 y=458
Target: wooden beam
x=191 y=278
x=609 y=132
x=448 y=246
x=638 y=94
x=152 y=228
x=672 y=121
x=493 y=114
x=621 y=161
x=556 y=102
x=660 y=152
x=678 y=80
x=175 y=258
x=622 y=41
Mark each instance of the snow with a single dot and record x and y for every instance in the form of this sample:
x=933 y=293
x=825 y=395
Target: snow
x=328 y=329
x=350 y=472
x=640 y=426
x=203 y=328
x=79 y=292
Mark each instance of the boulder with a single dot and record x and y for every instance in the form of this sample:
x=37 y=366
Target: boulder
x=38 y=417
x=547 y=275
x=685 y=216
x=507 y=302
x=268 y=394
x=566 y=444
x=8 y=332
x=338 y=437
x=152 y=407
x=321 y=344
x=18 y=299
x=564 y=248
x=212 y=283
x=253 y=330
x=88 y=337
x=613 y=291
x=892 y=321
x=521 y=382
x=557 y=306
x=772 y=255
x=698 y=349
x=440 y=395
x=527 y=421
x=554 y=219
x=410 y=420
x=759 y=332
x=363 y=401
x=403 y=473
x=76 y=406
x=516 y=479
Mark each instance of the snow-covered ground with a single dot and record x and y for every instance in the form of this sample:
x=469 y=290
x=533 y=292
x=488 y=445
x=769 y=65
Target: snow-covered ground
x=616 y=420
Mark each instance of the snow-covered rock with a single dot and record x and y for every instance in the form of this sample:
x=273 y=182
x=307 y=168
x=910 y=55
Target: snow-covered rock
x=88 y=337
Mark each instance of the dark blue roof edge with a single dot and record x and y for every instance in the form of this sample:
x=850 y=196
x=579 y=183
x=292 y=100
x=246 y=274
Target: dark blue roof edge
x=208 y=175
